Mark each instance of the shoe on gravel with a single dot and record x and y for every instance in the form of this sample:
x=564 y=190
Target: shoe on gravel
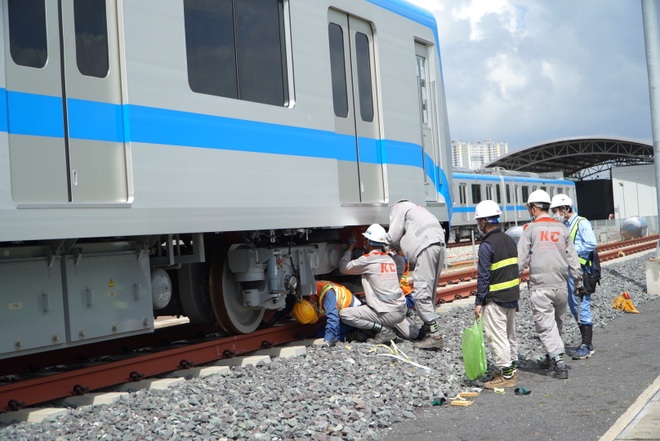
x=501 y=381
x=583 y=352
x=423 y=332
x=559 y=370
x=384 y=336
x=430 y=341
x=546 y=363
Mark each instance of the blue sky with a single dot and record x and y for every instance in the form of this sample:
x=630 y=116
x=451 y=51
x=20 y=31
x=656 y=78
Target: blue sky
x=532 y=71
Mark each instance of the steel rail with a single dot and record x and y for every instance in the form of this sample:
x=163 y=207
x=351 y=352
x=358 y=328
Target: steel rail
x=14 y=396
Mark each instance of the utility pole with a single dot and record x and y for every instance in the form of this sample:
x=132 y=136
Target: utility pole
x=652 y=43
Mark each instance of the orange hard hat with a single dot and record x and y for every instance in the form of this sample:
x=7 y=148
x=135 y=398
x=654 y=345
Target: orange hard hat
x=304 y=312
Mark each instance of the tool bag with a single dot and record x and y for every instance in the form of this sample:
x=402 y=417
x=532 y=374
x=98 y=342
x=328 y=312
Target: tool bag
x=591 y=273
x=474 y=351
x=590 y=266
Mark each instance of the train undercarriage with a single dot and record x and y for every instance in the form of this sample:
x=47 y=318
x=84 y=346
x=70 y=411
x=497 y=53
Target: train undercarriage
x=73 y=292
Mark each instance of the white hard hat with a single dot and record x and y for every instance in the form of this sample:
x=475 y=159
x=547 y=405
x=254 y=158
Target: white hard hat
x=539 y=197
x=376 y=233
x=487 y=208
x=561 y=200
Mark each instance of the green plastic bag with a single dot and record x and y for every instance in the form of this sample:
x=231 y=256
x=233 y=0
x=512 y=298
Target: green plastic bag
x=474 y=352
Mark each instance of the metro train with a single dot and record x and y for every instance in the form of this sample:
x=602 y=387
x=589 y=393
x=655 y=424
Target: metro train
x=202 y=158
x=508 y=188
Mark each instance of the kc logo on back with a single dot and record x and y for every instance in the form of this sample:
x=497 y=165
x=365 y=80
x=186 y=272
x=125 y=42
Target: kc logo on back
x=387 y=268
x=549 y=236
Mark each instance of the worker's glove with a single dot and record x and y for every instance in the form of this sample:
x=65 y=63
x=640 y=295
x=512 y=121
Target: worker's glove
x=580 y=291
x=350 y=241
x=328 y=344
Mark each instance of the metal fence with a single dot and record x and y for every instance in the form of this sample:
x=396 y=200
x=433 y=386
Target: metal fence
x=610 y=230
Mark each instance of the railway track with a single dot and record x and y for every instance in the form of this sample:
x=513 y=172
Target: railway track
x=31 y=380
x=460 y=283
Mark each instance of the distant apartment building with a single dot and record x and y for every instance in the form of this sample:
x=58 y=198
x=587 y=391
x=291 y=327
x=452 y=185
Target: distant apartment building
x=475 y=155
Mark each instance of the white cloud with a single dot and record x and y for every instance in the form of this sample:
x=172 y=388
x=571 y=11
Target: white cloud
x=529 y=71
x=507 y=73
x=474 y=11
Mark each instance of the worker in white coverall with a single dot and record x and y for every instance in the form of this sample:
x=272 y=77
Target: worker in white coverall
x=546 y=247
x=385 y=308
x=418 y=233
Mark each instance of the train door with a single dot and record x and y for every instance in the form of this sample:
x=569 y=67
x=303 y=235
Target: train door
x=426 y=109
x=356 y=109
x=65 y=119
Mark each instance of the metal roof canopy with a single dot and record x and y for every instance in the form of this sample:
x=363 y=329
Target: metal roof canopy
x=578 y=158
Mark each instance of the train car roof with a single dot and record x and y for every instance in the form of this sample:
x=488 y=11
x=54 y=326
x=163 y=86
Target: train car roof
x=408 y=10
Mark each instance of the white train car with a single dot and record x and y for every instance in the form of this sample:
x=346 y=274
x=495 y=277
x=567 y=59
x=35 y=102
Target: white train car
x=201 y=157
x=509 y=189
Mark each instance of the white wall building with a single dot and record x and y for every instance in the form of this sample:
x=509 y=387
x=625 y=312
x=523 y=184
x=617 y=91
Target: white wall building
x=633 y=188
x=475 y=155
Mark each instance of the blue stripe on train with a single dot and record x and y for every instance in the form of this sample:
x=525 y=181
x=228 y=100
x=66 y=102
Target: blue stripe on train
x=38 y=115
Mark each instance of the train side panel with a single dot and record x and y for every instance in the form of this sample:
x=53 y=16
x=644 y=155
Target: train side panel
x=117 y=161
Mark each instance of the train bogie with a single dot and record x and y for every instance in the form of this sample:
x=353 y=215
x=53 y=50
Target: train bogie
x=201 y=171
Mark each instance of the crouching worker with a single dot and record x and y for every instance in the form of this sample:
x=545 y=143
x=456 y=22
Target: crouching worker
x=385 y=308
x=329 y=300
x=498 y=292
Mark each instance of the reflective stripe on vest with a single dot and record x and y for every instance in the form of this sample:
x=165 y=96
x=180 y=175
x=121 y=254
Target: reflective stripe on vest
x=574 y=230
x=403 y=283
x=504 y=285
x=342 y=294
x=508 y=284
x=503 y=263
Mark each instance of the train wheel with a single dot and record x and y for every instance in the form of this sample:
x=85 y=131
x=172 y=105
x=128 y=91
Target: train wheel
x=227 y=298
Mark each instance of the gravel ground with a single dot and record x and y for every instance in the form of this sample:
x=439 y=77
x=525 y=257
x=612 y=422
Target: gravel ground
x=353 y=391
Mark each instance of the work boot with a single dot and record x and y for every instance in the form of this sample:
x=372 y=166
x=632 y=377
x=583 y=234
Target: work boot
x=384 y=336
x=583 y=352
x=546 y=363
x=559 y=370
x=586 y=349
x=423 y=331
x=359 y=335
x=501 y=381
x=432 y=340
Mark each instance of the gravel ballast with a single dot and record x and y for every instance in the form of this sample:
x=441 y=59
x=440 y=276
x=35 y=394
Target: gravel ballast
x=353 y=391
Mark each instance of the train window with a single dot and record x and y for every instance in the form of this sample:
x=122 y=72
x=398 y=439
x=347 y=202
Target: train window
x=498 y=194
x=236 y=49
x=338 y=70
x=462 y=194
x=363 y=58
x=27 y=32
x=489 y=192
x=508 y=194
x=91 y=37
x=476 y=193
x=423 y=92
x=525 y=192
x=516 y=193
